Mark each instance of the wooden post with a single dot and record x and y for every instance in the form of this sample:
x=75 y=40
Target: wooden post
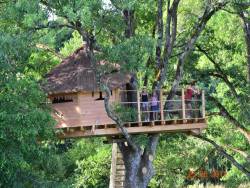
x=113 y=166
x=183 y=105
x=117 y=96
x=203 y=104
x=161 y=107
x=93 y=129
x=139 y=107
x=129 y=124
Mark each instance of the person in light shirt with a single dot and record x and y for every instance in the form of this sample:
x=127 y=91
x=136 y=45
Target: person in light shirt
x=154 y=105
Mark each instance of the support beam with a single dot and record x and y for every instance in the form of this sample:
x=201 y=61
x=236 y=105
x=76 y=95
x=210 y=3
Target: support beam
x=136 y=130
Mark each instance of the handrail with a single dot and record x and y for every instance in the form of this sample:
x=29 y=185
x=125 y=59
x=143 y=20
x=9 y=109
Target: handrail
x=193 y=100
x=182 y=105
x=178 y=89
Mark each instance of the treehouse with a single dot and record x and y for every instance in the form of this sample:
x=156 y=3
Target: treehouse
x=78 y=105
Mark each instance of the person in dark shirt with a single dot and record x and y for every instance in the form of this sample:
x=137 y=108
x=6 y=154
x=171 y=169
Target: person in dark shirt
x=144 y=99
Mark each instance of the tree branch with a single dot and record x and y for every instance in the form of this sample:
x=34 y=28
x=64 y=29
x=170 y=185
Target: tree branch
x=116 y=119
x=208 y=13
x=213 y=114
x=53 y=26
x=170 y=35
x=221 y=72
x=246 y=29
x=242 y=153
x=223 y=152
x=159 y=33
x=227 y=115
x=47 y=48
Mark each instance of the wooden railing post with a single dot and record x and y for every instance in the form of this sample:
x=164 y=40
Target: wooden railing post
x=203 y=104
x=183 y=105
x=117 y=96
x=138 y=107
x=161 y=108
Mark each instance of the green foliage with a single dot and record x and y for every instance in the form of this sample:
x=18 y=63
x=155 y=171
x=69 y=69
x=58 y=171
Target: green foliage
x=226 y=47
x=40 y=63
x=92 y=162
x=176 y=154
x=29 y=155
x=24 y=120
x=71 y=45
x=234 y=178
x=134 y=51
x=125 y=113
x=93 y=172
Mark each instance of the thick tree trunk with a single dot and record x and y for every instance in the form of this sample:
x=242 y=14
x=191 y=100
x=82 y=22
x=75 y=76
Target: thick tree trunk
x=132 y=160
x=139 y=163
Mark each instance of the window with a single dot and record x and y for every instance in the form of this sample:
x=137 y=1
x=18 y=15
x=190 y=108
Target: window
x=62 y=99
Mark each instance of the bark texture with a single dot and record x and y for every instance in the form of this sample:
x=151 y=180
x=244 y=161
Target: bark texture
x=139 y=163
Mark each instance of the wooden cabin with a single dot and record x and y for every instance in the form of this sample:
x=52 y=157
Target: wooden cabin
x=79 y=107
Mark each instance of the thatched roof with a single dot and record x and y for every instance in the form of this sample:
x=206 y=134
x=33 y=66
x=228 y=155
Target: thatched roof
x=75 y=74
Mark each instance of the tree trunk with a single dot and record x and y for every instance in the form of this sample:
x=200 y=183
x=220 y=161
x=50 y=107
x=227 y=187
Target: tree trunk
x=246 y=27
x=139 y=163
x=129 y=21
x=247 y=39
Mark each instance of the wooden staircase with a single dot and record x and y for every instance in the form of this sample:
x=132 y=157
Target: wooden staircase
x=117 y=175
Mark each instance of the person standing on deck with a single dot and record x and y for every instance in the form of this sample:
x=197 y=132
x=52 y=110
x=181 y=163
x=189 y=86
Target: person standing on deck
x=144 y=99
x=154 y=105
x=189 y=93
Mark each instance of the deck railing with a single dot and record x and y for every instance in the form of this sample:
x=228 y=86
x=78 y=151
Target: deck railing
x=135 y=110
x=175 y=115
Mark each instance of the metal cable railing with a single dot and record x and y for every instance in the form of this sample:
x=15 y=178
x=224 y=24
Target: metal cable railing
x=176 y=108
x=130 y=108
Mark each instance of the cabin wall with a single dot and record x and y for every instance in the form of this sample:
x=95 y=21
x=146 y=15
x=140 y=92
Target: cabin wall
x=93 y=110
x=86 y=109
x=66 y=113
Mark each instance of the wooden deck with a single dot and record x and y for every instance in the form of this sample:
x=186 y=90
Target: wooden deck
x=86 y=117
x=188 y=125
